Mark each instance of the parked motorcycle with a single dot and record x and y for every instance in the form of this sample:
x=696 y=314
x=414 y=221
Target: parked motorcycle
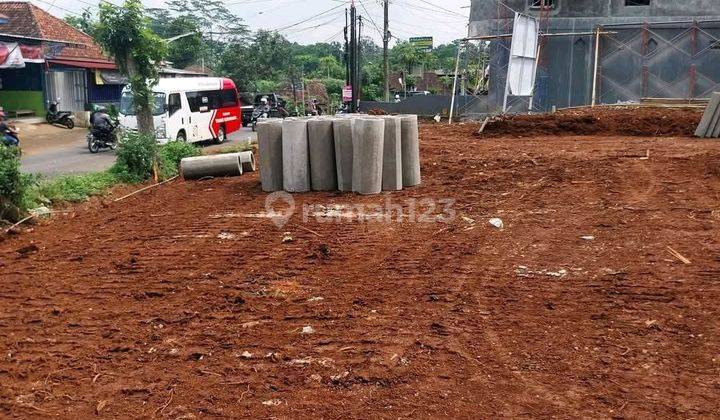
x=64 y=118
x=102 y=138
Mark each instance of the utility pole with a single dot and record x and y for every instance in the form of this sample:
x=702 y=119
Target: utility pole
x=353 y=57
x=347 y=51
x=358 y=64
x=386 y=41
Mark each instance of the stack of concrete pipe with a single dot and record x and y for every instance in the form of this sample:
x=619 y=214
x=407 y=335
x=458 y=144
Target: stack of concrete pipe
x=217 y=166
x=356 y=152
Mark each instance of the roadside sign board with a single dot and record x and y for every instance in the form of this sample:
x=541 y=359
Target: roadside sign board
x=422 y=43
x=347 y=93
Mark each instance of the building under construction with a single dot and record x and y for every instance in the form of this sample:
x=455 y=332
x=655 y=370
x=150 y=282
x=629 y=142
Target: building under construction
x=611 y=50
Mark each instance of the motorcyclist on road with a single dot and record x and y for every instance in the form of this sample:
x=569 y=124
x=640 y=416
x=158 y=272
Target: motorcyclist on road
x=7 y=133
x=101 y=122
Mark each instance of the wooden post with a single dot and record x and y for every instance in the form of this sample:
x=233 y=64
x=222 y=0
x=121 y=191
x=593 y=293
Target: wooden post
x=457 y=68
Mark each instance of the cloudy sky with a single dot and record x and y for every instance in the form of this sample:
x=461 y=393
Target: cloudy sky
x=445 y=20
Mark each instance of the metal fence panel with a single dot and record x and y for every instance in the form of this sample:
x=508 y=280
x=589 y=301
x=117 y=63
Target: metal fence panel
x=70 y=87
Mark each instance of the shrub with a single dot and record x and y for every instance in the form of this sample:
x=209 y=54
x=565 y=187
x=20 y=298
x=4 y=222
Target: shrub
x=12 y=183
x=135 y=157
x=171 y=154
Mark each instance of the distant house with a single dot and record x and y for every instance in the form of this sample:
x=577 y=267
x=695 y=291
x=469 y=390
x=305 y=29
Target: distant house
x=44 y=58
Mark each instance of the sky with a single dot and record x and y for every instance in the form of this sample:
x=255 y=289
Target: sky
x=444 y=20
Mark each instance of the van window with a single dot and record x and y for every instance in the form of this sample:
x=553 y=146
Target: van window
x=212 y=99
x=127 y=103
x=229 y=98
x=195 y=100
x=174 y=103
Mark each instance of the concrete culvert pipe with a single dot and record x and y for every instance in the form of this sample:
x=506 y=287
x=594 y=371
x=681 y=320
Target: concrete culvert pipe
x=214 y=166
x=247 y=160
x=343 y=136
x=410 y=150
x=296 y=156
x=392 y=155
x=323 y=175
x=270 y=149
x=368 y=140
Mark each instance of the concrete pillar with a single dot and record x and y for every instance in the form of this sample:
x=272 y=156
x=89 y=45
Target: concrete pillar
x=410 y=150
x=247 y=160
x=212 y=166
x=342 y=133
x=368 y=140
x=271 y=157
x=296 y=156
x=323 y=174
x=392 y=155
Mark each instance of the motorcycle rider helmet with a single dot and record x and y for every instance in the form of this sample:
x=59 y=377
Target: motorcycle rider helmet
x=264 y=100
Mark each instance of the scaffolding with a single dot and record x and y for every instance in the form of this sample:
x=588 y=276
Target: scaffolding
x=606 y=63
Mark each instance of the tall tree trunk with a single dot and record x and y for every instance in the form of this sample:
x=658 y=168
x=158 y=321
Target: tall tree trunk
x=145 y=123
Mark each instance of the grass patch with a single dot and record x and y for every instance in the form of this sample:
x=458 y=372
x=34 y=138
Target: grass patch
x=69 y=188
x=170 y=155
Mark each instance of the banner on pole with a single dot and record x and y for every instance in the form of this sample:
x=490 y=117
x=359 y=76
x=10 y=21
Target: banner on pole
x=347 y=93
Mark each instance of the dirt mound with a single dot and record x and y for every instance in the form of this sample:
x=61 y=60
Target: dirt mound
x=601 y=121
x=377 y=111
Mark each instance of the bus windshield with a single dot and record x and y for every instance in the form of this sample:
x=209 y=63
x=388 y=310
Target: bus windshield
x=127 y=107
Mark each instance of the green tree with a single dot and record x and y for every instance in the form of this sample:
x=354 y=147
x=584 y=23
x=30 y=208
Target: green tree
x=182 y=52
x=405 y=56
x=330 y=67
x=83 y=22
x=219 y=26
x=124 y=33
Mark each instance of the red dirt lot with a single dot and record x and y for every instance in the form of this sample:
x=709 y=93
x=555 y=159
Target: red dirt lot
x=173 y=303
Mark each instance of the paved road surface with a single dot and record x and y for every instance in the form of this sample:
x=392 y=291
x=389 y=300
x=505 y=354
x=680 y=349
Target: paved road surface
x=52 y=151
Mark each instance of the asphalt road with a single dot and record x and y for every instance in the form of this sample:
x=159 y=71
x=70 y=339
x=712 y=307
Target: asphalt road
x=52 y=151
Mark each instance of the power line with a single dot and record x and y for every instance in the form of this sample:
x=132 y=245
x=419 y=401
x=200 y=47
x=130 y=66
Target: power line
x=309 y=19
x=442 y=8
x=370 y=17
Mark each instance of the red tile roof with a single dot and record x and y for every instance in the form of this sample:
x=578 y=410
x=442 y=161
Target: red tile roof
x=27 y=20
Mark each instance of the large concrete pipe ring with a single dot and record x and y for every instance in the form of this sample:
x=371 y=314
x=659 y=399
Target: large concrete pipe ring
x=343 y=136
x=296 y=156
x=247 y=160
x=271 y=158
x=410 y=150
x=323 y=175
x=392 y=155
x=368 y=140
x=213 y=166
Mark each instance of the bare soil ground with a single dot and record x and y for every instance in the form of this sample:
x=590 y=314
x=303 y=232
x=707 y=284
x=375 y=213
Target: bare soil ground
x=172 y=303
